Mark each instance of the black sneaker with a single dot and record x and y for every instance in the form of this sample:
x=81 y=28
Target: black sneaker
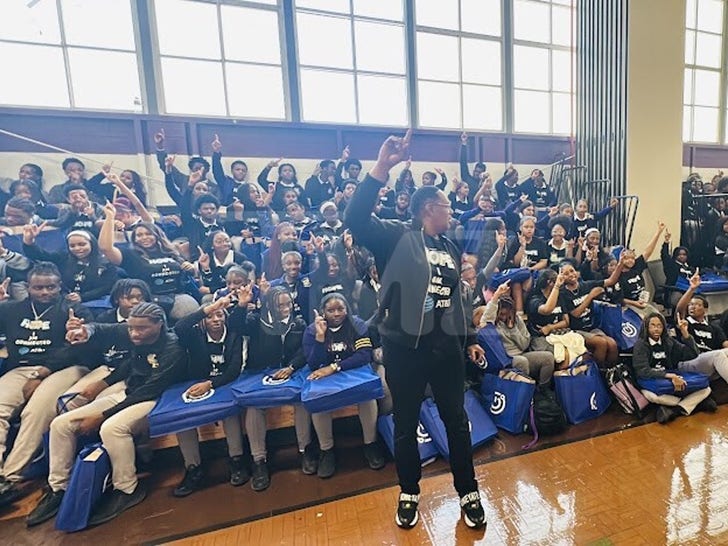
x=261 y=476
x=708 y=405
x=239 y=472
x=665 y=414
x=407 y=514
x=309 y=460
x=115 y=503
x=46 y=508
x=9 y=492
x=192 y=481
x=327 y=463
x=374 y=456
x=473 y=513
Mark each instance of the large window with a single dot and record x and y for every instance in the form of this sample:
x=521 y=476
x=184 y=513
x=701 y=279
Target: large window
x=703 y=62
x=69 y=54
x=352 y=61
x=459 y=64
x=543 y=66
x=221 y=59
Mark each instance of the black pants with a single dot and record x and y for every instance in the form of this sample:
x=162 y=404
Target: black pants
x=408 y=371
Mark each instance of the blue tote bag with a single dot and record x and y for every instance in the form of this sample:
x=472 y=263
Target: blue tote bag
x=496 y=357
x=507 y=397
x=481 y=426
x=425 y=445
x=581 y=391
x=90 y=477
x=516 y=274
x=709 y=282
x=622 y=325
x=260 y=390
x=342 y=389
x=177 y=412
x=695 y=382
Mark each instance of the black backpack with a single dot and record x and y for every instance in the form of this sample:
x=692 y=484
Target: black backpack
x=547 y=417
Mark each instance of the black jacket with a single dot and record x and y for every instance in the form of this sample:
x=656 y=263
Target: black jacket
x=272 y=345
x=399 y=252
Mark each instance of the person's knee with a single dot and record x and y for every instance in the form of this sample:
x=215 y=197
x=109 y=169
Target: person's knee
x=111 y=430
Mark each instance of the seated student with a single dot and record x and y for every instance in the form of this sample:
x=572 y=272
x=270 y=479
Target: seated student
x=321 y=186
x=518 y=210
x=472 y=180
x=275 y=340
x=577 y=297
x=526 y=250
x=85 y=274
x=344 y=196
x=400 y=211
x=271 y=257
x=213 y=337
x=175 y=182
x=332 y=273
x=298 y=285
x=286 y=181
x=387 y=198
x=152 y=258
x=74 y=169
x=675 y=266
x=177 y=179
x=429 y=178
x=130 y=210
x=347 y=170
x=475 y=221
x=633 y=284
x=296 y=216
x=36 y=371
x=507 y=187
x=338 y=341
x=538 y=191
x=27 y=189
x=235 y=278
x=230 y=186
x=592 y=257
x=19 y=212
x=130 y=179
x=125 y=294
x=405 y=181
x=118 y=410
x=82 y=213
x=460 y=200
x=257 y=216
x=710 y=339
x=501 y=312
x=331 y=228
x=216 y=256
x=545 y=309
x=584 y=220
x=558 y=247
x=612 y=294
x=720 y=259
x=657 y=355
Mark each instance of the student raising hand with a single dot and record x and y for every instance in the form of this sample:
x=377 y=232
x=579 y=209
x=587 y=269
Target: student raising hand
x=216 y=144
x=321 y=326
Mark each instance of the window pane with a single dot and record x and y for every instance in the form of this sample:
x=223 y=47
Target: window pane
x=688 y=87
x=710 y=15
x=531 y=21
x=437 y=13
x=705 y=124
x=379 y=47
x=561 y=29
x=481 y=16
x=560 y=70
x=687 y=123
x=481 y=61
x=339 y=6
x=100 y=23
x=382 y=9
x=689 y=47
x=531 y=109
x=324 y=41
x=439 y=105
x=690 y=13
x=41 y=71
x=182 y=98
x=36 y=23
x=123 y=93
x=255 y=91
x=561 y=113
x=708 y=50
x=382 y=100
x=707 y=88
x=327 y=96
x=482 y=107
x=261 y=40
x=531 y=67
x=437 y=56
x=175 y=18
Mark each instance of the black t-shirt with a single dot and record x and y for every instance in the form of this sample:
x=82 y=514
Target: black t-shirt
x=613 y=294
x=707 y=337
x=573 y=299
x=658 y=355
x=632 y=282
x=162 y=273
x=535 y=319
x=443 y=284
x=555 y=255
x=535 y=251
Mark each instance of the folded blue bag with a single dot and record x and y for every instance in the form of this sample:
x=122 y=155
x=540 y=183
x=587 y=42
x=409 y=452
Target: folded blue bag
x=90 y=477
x=425 y=445
x=260 y=390
x=516 y=274
x=482 y=428
x=507 y=400
x=695 y=381
x=342 y=389
x=709 y=282
x=176 y=412
x=582 y=396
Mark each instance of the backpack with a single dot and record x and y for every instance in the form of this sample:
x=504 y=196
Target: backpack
x=547 y=417
x=624 y=390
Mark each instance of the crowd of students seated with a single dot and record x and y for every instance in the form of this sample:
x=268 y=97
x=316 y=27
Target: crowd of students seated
x=131 y=303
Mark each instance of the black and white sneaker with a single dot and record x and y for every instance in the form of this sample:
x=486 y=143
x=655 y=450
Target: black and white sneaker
x=407 y=514
x=473 y=513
